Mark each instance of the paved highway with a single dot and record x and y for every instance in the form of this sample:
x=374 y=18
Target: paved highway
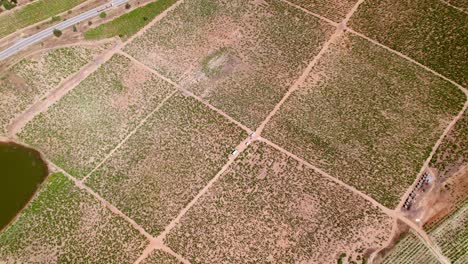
x=25 y=42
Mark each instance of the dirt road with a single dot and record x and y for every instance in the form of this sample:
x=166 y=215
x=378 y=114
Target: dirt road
x=20 y=121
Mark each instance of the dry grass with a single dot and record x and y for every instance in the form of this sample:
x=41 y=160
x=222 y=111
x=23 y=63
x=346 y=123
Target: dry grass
x=239 y=55
x=160 y=257
x=429 y=31
x=77 y=132
x=167 y=162
x=452 y=154
x=32 y=78
x=335 y=10
x=270 y=208
x=367 y=117
x=64 y=224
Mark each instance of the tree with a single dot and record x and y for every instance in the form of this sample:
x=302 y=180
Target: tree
x=103 y=15
x=127 y=6
x=74 y=28
x=57 y=32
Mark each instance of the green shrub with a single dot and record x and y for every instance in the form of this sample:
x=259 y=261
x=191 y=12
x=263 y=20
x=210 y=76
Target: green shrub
x=57 y=32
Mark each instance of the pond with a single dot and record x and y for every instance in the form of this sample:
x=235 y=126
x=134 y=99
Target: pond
x=22 y=170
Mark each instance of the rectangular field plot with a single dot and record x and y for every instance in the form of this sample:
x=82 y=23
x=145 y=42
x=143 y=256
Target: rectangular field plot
x=166 y=162
x=367 y=117
x=30 y=79
x=239 y=55
x=428 y=31
x=335 y=10
x=64 y=224
x=267 y=207
x=410 y=250
x=451 y=235
x=78 y=131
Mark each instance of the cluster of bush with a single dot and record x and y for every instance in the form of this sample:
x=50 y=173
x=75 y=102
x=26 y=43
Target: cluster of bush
x=8 y=4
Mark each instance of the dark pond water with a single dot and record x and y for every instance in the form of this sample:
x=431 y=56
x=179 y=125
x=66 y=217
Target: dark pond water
x=21 y=172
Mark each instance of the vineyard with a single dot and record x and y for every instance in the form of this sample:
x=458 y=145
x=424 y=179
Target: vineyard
x=451 y=235
x=410 y=250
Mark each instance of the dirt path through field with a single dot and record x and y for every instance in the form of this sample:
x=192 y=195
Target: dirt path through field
x=458 y=8
x=408 y=59
x=434 y=149
x=333 y=23
x=188 y=93
x=338 y=32
x=19 y=122
x=142 y=122
x=241 y=147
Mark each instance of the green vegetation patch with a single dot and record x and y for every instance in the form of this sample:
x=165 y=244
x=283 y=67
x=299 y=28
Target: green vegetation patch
x=32 y=78
x=268 y=207
x=335 y=10
x=130 y=23
x=429 y=31
x=166 y=162
x=452 y=154
x=239 y=55
x=78 y=131
x=410 y=250
x=367 y=117
x=32 y=13
x=64 y=224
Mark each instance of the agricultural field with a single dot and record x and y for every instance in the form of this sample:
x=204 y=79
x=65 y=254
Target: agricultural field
x=451 y=235
x=428 y=31
x=335 y=10
x=462 y=4
x=241 y=56
x=166 y=162
x=160 y=257
x=268 y=207
x=367 y=117
x=26 y=82
x=452 y=154
x=130 y=23
x=410 y=250
x=32 y=13
x=78 y=131
x=64 y=224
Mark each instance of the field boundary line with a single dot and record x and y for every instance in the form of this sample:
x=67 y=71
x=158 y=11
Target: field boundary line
x=458 y=8
x=333 y=23
x=111 y=207
x=433 y=151
x=346 y=28
x=408 y=59
x=131 y=133
x=154 y=21
x=189 y=93
x=389 y=212
x=67 y=85
x=160 y=238
x=117 y=212
x=386 y=210
x=338 y=32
